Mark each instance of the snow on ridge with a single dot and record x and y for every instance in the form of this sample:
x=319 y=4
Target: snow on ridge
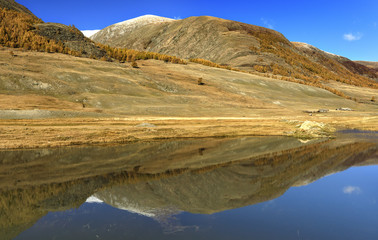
x=331 y=53
x=128 y=25
x=143 y=20
x=89 y=33
x=308 y=46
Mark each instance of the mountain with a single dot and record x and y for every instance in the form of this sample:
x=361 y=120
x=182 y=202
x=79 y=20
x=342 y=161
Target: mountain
x=331 y=61
x=40 y=80
x=13 y=5
x=71 y=38
x=194 y=37
x=119 y=29
x=238 y=45
x=21 y=29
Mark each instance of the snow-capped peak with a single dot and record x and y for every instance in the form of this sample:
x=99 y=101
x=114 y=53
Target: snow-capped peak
x=129 y=25
x=144 y=20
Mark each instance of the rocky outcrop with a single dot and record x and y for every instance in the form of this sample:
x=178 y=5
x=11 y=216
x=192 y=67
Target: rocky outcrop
x=71 y=37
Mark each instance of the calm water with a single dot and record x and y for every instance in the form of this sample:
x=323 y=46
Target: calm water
x=249 y=188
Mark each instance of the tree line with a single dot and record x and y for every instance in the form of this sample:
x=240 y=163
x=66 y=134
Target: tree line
x=17 y=30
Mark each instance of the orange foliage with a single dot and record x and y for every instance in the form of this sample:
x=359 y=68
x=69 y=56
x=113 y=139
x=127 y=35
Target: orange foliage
x=302 y=67
x=129 y=55
x=16 y=31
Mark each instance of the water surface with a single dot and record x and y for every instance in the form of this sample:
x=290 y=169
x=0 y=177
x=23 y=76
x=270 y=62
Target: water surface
x=245 y=188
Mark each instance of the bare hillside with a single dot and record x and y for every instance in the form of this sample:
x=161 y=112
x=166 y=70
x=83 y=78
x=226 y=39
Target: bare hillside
x=194 y=37
x=336 y=62
x=154 y=89
x=238 y=45
x=128 y=26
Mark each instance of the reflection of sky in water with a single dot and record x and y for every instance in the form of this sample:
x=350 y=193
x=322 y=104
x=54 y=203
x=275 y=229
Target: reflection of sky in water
x=340 y=206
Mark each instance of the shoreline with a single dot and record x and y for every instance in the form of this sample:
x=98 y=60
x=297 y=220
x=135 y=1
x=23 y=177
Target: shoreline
x=53 y=133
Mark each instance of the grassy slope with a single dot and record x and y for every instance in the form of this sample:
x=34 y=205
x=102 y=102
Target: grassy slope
x=154 y=89
x=40 y=85
x=239 y=45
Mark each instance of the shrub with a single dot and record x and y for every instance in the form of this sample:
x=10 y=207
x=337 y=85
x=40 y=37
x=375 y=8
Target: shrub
x=134 y=64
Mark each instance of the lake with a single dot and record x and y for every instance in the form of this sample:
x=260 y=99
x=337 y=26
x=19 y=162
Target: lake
x=230 y=188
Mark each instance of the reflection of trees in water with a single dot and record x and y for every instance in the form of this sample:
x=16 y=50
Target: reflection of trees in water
x=171 y=224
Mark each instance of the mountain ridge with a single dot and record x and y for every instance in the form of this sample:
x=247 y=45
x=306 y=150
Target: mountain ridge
x=129 y=25
x=239 y=45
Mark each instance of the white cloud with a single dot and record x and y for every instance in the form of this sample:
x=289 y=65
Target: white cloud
x=351 y=190
x=267 y=23
x=352 y=37
x=177 y=18
x=89 y=33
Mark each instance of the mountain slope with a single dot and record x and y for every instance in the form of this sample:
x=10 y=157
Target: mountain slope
x=13 y=5
x=373 y=65
x=236 y=44
x=21 y=30
x=335 y=62
x=118 y=29
x=71 y=38
x=155 y=88
x=194 y=37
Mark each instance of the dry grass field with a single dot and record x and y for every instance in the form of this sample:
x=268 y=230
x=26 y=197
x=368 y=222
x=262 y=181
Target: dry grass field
x=49 y=100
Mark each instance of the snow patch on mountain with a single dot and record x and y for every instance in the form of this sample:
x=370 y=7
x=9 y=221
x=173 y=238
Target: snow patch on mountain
x=123 y=203
x=89 y=33
x=308 y=46
x=128 y=25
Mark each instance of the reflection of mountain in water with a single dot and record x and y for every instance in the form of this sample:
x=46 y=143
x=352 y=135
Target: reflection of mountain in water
x=237 y=184
x=161 y=179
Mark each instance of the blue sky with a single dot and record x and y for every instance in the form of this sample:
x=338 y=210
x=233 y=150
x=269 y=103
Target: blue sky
x=347 y=28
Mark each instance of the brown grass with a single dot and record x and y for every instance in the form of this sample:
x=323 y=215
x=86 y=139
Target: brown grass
x=66 y=132
x=31 y=101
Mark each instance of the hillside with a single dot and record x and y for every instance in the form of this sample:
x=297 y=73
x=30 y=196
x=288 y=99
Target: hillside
x=335 y=62
x=238 y=45
x=373 y=65
x=45 y=86
x=50 y=71
x=155 y=88
x=13 y=5
x=22 y=30
x=121 y=28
